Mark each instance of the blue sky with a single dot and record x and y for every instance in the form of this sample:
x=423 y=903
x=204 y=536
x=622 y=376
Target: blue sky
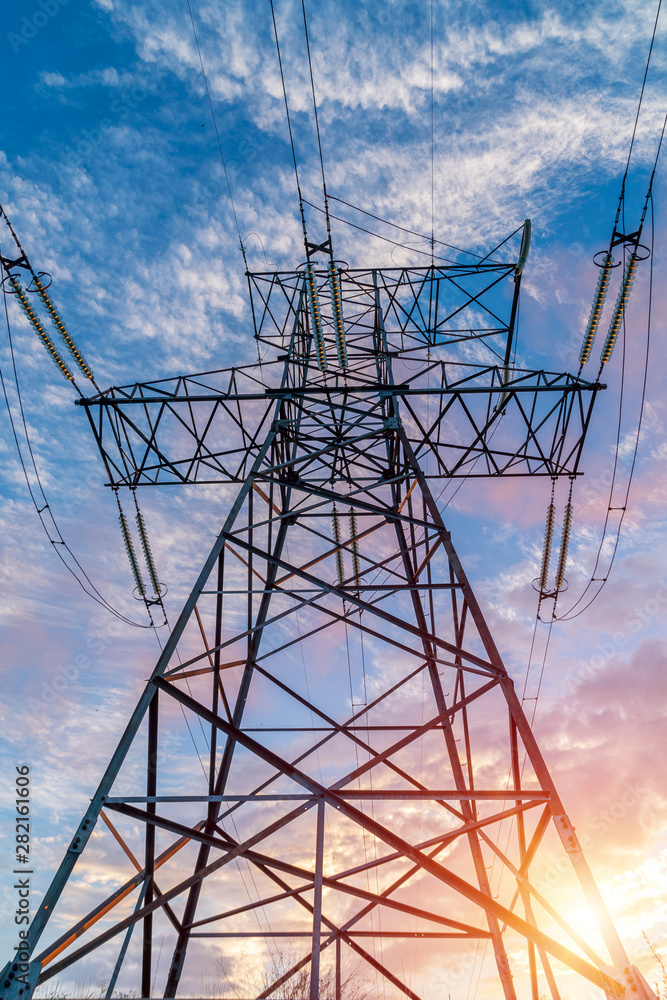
x=110 y=173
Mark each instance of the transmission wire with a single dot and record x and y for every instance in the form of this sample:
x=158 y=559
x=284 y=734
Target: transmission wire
x=432 y=144
x=317 y=124
x=404 y=246
x=59 y=540
x=395 y=225
x=568 y=615
x=289 y=125
x=217 y=134
x=639 y=105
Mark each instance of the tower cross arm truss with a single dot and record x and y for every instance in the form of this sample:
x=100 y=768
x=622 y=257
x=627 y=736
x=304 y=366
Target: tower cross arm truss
x=437 y=342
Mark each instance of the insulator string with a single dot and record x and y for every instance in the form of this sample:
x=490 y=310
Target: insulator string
x=356 y=566
x=39 y=329
x=565 y=541
x=129 y=548
x=62 y=329
x=548 y=540
x=335 y=526
x=316 y=317
x=619 y=308
x=337 y=309
x=146 y=548
x=596 y=308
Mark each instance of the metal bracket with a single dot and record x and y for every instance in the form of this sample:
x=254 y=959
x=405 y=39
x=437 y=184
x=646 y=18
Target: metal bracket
x=618 y=238
x=21 y=261
x=567 y=834
x=19 y=979
x=312 y=248
x=635 y=986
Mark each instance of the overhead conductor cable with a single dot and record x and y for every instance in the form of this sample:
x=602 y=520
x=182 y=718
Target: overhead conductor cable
x=619 y=308
x=596 y=309
x=39 y=329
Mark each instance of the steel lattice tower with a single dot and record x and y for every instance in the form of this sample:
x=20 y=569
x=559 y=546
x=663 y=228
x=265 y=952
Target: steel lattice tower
x=362 y=751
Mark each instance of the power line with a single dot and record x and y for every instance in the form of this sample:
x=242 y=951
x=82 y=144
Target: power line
x=432 y=140
x=568 y=616
x=317 y=125
x=639 y=105
x=58 y=542
x=289 y=126
x=377 y=236
x=217 y=134
x=395 y=225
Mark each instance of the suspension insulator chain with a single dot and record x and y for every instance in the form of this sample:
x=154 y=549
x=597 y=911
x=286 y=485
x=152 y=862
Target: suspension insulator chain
x=356 y=566
x=61 y=328
x=39 y=329
x=131 y=554
x=548 y=539
x=564 y=543
x=596 y=309
x=316 y=318
x=619 y=308
x=148 y=555
x=337 y=309
x=335 y=527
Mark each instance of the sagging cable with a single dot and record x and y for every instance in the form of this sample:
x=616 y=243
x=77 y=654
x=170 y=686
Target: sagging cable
x=619 y=308
x=596 y=309
x=61 y=328
x=335 y=527
x=39 y=329
x=337 y=309
x=564 y=543
x=316 y=317
x=356 y=566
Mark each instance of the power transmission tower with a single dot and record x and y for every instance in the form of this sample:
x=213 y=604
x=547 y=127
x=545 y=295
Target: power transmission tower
x=361 y=771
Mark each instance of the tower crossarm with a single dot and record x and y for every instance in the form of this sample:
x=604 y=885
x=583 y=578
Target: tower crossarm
x=191 y=431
